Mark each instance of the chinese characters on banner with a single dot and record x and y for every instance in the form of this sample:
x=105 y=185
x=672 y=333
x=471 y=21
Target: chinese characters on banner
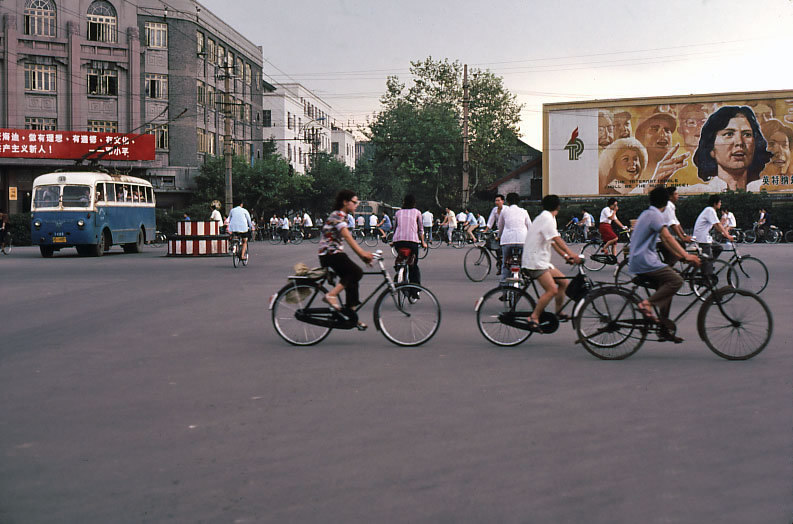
x=73 y=145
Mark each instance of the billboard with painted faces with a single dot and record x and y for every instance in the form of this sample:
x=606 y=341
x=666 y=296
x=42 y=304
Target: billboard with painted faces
x=698 y=144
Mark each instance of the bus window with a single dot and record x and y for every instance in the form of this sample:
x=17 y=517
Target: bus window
x=137 y=194
x=100 y=193
x=111 y=192
x=76 y=196
x=149 y=195
x=47 y=196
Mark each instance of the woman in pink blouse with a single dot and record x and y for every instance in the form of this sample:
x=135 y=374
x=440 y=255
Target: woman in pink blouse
x=409 y=234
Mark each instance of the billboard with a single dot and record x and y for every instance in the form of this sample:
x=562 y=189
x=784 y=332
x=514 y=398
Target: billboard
x=74 y=145
x=700 y=144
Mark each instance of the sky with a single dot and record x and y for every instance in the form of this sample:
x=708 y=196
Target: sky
x=546 y=51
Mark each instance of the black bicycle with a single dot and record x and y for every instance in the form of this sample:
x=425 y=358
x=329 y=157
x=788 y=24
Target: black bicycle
x=159 y=239
x=594 y=257
x=7 y=243
x=734 y=323
x=407 y=315
x=478 y=260
x=235 y=250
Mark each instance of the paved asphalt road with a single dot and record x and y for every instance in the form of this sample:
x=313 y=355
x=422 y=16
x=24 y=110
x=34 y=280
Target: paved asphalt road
x=141 y=388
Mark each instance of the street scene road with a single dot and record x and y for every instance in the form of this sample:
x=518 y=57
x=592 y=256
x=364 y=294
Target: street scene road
x=146 y=388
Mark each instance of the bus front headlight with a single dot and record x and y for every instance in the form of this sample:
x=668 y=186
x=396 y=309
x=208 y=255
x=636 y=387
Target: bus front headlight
x=37 y=224
x=81 y=223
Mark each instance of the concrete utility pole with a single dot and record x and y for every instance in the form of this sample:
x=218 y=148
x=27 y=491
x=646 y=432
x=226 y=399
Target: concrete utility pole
x=227 y=149
x=466 y=102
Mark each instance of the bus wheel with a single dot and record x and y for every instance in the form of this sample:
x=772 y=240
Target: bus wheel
x=85 y=251
x=101 y=246
x=46 y=251
x=135 y=247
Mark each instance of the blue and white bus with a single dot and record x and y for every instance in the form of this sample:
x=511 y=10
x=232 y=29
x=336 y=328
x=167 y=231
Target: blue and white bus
x=91 y=211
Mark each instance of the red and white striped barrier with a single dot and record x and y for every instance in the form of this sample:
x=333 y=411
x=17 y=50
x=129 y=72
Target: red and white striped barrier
x=191 y=228
x=198 y=239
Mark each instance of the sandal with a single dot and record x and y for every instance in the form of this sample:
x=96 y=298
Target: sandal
x=534 y=326
x=332 y=302
x=361 y=326
x=647 y=312
x=563 y=317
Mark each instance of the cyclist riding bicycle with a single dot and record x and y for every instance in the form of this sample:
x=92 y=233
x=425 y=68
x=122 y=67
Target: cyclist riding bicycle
x=513 y=223
x=673 y=225
x=706 y=220
x=240 y=225
x=608 y=215
x=645 y=261
x=409 y=234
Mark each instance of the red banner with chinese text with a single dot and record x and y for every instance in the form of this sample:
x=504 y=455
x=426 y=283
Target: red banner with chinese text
x=73 y=145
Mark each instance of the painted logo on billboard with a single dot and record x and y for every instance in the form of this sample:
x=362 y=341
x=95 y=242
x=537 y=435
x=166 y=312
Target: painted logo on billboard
x=575 y=146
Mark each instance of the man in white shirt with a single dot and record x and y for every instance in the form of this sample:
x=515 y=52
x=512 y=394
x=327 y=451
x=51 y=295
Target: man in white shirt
x=673 y=225
x=492 y=223
x=426 y=222
x=240 y=225
x=460 y=217
x=513 y=223
x=307 y=220
x=480 y=221
x=450 y=223
x=541 y=237
x=215 y=215
x=360 y=221
x=587 y=223
x=372 y=222
x=705 y=221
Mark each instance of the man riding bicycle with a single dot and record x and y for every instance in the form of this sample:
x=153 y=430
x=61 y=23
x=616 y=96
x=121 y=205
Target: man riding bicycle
x=240 y=225
x=645 y=261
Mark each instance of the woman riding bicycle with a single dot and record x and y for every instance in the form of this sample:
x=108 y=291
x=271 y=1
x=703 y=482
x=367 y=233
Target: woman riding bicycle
x=332 y=255
x=409 y=233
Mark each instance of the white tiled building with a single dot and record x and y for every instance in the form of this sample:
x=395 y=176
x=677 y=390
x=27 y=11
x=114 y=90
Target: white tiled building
x=342 y=145
x=298 y=121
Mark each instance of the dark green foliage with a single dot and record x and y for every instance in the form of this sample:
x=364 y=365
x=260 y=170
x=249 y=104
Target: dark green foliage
x=19 y=226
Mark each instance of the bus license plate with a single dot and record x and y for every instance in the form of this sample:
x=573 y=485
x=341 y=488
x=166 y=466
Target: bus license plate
x=59 y=239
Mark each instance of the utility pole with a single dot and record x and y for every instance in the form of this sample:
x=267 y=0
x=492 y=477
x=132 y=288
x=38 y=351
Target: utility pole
x=466 y=102
x=227 y=150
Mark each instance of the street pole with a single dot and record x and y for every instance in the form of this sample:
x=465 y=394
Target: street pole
x=227 y=150
x=466 y=102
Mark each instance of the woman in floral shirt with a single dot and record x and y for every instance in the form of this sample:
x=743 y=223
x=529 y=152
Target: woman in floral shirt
x=331 y=252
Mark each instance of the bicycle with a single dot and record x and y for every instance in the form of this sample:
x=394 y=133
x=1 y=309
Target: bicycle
x=770 y=234
x=7 y=243
x=433 y=237
x=610 y=325
x=502 y=313
x=458 y=238
x=594 y=257
x=371 y=237
x=235 y=250
x=789 y=236
x=478 y=260
x=423 y=251
x=406 y=315
x=159 y=239
x=313 y=234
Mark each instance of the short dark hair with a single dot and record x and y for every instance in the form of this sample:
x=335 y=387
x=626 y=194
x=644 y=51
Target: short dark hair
x=671 y=190
x=611 y=200
x=550 y=202
x=713 y=200
x=513 y=198
x=707 y=166
x=409 y=201
x=659 y=197
x=345 y=195
x=500 y=196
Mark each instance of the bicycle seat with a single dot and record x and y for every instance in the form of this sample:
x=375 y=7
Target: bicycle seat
x=645 y=281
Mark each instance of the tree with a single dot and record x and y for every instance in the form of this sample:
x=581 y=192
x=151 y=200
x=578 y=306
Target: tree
x=417 y=136
x=327 y=176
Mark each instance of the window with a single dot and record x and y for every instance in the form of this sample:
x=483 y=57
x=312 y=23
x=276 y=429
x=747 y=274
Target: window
x=160 y=132
x=156 y=86
x=201 y=92
x=102 y=22
x=221 y=56
x=334 y=148
x=206 y=141
x=102 y=126
x=211 y=50
x=211 y=97
x=157 y=35
x=288 y=120
x=40 y=19
x=248 y=78
x=289 y=152
x=199 y=39
x=40 y=78
x=267 y=118
x=246 y=116
x=229 y=60
x=42 y=124
x=239 y=69
x=103 y=82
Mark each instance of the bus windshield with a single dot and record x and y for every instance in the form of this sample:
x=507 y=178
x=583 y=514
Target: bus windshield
x=76 y=196
x=47 y=196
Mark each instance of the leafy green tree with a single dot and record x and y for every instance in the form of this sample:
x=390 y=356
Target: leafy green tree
x=327 y=175
x=417 y=136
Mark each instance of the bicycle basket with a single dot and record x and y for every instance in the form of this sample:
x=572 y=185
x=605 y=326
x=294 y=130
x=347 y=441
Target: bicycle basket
x=493 y=243
x=578 y=287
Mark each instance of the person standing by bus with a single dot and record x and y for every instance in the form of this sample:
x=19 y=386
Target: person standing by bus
x=240 y=224
x=409 y=233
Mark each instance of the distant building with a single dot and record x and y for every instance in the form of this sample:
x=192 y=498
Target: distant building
x=342 y=146
x=127 y=66
x=299 y=123
x=525 y=178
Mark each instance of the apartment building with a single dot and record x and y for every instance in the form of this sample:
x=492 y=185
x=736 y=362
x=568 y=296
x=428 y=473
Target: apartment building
x=130 y=66
x=342 y=145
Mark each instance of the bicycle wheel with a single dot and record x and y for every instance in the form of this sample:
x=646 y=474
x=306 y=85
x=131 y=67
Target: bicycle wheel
x=370 y=239
x=458 y=240
x=774 y=236
x=750 y=237
x=313 y=236
x=296 y=237
x=274 y=237
x=623 y=275
x=289 y=300
x=735 y=323
x=408 y=316
x=609 y=324
x=247 y=254
x=750 y=272
x=477 y=264
x=423 y=252
x=235 y=249
x=589 y=249
x=7 y=244
x=739 y=235
x=435 y=240
x=721 y=275
x=789 y=236
x=500 y=312
x=686 y=289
